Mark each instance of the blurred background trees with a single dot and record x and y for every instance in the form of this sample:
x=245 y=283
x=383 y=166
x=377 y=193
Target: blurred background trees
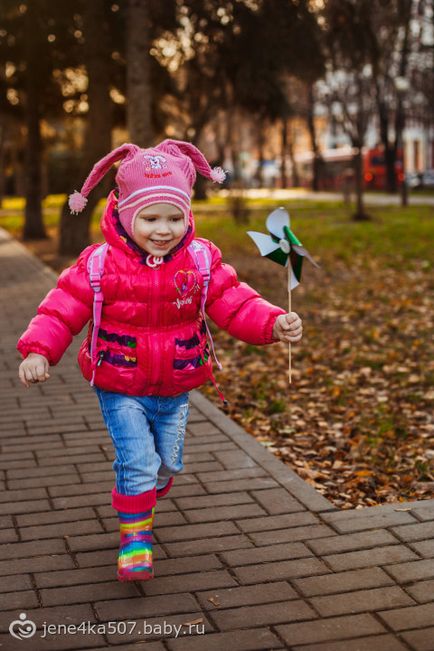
x=280 y=92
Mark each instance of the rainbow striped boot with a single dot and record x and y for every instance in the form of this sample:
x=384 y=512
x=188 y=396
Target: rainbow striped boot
x=136 y=515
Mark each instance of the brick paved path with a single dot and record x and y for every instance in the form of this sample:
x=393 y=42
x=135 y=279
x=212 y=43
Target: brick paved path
x=244 y=547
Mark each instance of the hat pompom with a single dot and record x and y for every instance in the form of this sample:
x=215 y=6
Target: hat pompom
x=77 y=202
x=218 y=174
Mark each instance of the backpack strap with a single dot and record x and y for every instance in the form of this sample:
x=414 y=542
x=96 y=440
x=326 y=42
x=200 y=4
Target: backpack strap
x=202 y=258
x=95 y=269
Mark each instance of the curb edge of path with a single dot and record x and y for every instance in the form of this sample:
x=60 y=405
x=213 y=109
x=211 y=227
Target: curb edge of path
x=281 y=472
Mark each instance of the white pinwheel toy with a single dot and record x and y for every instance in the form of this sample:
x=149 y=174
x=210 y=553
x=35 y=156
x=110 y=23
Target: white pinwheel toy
x=283 y=247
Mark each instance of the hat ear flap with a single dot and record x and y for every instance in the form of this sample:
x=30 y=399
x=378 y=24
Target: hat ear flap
x=199 y=161
x=78 y=200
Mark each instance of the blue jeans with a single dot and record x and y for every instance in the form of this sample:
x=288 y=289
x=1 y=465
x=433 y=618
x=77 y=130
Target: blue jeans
x=148 y=436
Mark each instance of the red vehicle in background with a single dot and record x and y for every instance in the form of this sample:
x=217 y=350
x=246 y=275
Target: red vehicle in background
x=374 y=169
x=337 y=169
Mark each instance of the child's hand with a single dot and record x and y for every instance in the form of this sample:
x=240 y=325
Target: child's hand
x=288 y=328
x=33 y=369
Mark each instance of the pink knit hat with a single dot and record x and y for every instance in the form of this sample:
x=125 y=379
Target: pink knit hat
x=162 y=174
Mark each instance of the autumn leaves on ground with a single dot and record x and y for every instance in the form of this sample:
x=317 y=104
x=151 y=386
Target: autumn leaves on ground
x=357 y=421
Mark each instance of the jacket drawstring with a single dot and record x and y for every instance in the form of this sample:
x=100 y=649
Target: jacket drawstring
x=225 y=402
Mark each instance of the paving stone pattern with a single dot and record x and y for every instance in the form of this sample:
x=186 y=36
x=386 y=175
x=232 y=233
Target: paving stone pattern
x=246 y=551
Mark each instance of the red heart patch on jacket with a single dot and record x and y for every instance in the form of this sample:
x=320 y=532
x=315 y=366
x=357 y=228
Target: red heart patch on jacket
x=185 y=282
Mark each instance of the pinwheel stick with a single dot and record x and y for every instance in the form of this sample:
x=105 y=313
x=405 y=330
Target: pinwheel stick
x=289 y=311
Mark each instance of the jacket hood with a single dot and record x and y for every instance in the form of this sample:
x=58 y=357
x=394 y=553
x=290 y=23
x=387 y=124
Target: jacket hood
x=116 y=235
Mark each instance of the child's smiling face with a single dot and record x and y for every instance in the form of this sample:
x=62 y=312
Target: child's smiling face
x=158 y=228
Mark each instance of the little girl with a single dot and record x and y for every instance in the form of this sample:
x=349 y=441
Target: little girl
x=151 y=343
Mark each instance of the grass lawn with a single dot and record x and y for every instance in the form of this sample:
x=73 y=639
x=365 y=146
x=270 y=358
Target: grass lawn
x=357 y=421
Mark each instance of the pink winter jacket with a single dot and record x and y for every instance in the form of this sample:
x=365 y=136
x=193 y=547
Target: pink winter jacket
x=152 y=338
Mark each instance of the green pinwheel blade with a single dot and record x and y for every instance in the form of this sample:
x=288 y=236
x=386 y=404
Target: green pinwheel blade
x=289 y=235
x=296 y=264
x=279 y=256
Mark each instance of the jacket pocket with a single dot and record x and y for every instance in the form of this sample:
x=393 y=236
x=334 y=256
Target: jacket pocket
x=192 y=353
x=116 y=349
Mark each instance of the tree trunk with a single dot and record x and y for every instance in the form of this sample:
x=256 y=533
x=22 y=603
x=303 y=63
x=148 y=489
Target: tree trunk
x=201 y=185
x=222 y=131
x=238 y=178
x=405 y=7
x=33 y=224
x=3 y=131
x=74 y=229
x=2 y=160
x=317 y=159
x=139 y=90
x=44 y=176
x=259 y=174
x=389 y=149
x=200 y=188
x=234 y=145
x=19 y=182
x=284 y=145
x=294 y=169
x=360 y=214
x=390 y=153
